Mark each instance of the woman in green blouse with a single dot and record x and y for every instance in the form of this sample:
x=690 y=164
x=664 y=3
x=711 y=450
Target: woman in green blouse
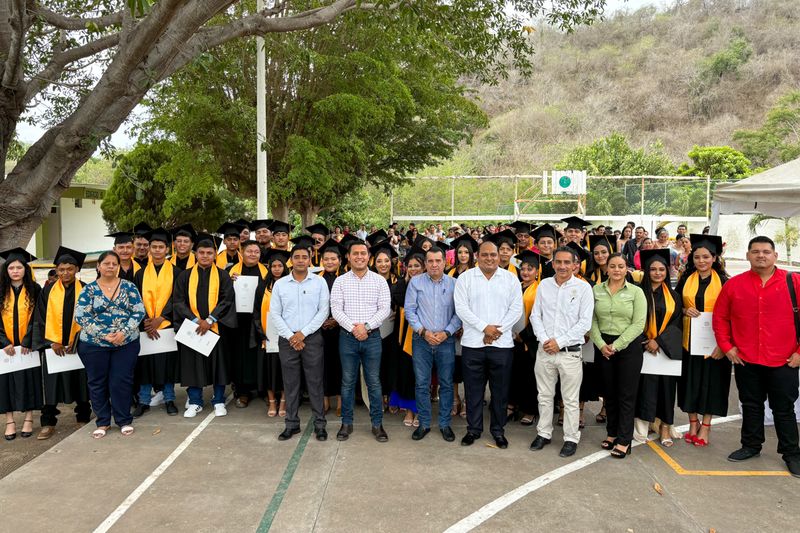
x=620 y=311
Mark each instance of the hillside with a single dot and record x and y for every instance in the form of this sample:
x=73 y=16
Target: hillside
x=693 y=74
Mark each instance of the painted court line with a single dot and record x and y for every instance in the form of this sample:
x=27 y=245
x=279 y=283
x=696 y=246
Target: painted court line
x=160 y=469
x=725 y=473
x=483 y=514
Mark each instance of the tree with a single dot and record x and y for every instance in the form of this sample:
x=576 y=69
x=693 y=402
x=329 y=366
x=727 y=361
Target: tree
x=94 y=61
x=721 y=163
x=789 y=236
x=778 y=140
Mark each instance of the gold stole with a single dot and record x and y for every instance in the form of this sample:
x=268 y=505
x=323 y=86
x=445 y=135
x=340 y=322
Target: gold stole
x=54 y=317
x=222 y=258
x=190 y=260
x=511 y=268
x=157 y=290
x=528 y=299
x=237 y=269
x=136 y=267
x=265 y=301
x=405 y=335
x=213 y=292
x=690 y=293
x=25 y=312
x=652 y=330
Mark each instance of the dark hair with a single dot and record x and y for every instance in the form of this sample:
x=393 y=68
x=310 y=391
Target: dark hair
x=647 y=287
x=591 y=264
x=570 y=251
x=249 y=242
x=333 y=250
x=52 y=272
x=630 y=231
x=300 y=249
x=760 y=239
x=691 y=268
x=614 y=255
x=470 y=261
x=640 y=227
x=270 y=279
x=5 y=288
x=106 y=254
x=357 y=243
x=205 y=243
x=435 y=250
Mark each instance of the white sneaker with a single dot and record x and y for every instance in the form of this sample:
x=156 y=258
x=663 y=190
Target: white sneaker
x=157 y=399
x=187 y=404
x=192 y=411
x=220 y=410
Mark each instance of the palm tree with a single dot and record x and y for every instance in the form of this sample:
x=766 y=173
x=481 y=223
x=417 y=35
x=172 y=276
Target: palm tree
x=790 y=236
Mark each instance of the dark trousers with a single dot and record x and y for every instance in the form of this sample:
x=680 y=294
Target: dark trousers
x=757 y=383
x=50 y=412
x=312 y=360
x=478 y=366
x=110 y=374
x=620 y=376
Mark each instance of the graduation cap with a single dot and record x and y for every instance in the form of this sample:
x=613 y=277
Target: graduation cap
x=465 y=240
x=655 y=254
x=603 y=240
x=583 y=254
x=545 y=230
x=261 y=223
x=712 y=243
x=417 y=252
x=141 y=228
x=332 y=246
x=230 y=229
x=159 y=234
x=186 y=230
x=121 y=237
x=273 y=253
x=279 y=226
x=385 y=246
x=17 y=254
x=522 y=227
x=69 y=256
x=377 y=237
x=303 y=241
x=421 y=239
x=500 y=237
x=206 y=240
x=243 y=222
x=349 y=240
x=575 y=222
x=530 y=257
x=319 y=229
x=442 y=245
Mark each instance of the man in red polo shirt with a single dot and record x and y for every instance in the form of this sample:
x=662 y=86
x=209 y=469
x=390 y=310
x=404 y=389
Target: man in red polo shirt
x=754 y=325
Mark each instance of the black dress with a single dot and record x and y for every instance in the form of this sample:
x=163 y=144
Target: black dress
x=705 y=382
x=389 y=344
x=159 y=368
x=656 y=396
x=268 y=368
x=241 y=347
x=332 y=378
x=20 y=390
x=458 y=376
x=404 y=386
x=523 y=393
x=197 y=370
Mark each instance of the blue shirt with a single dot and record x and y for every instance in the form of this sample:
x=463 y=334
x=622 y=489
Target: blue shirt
x=429 y=304
x=299 y=305
x=98 y=316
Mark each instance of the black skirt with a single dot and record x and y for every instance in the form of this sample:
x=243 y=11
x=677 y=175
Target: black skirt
x=704 y=385
x=269 y=376
x=332 y=377
x=197 y=370
x=390 y=352
x=242 y=352
x=21 y=390
x=523 y=392
x=656 y=398
x=158 y=368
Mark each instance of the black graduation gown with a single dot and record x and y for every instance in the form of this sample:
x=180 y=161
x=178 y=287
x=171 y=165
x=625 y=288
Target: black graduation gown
x=64 y=387
x=196 y=370
x=333 y=364
x=269 y=374
x=523 y=393
x=128 y=274
x=705 y=383
x=400 y=372
x=180 y=264
x=159 y=368
x=656 y=395
x=20 y=390
x=242 y=347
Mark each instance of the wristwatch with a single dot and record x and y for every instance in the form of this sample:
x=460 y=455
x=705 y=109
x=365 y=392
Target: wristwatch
x=210 y=322
x=369 y=329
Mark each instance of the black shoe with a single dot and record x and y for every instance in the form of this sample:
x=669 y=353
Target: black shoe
x=743 y=454
x=380 y=433
x=501 y=441
x=321 y=434
x=568 y=449
x=539 y=442
x=420 y=433
x=140 y=410
x=616 y=453
x=288 y=433
x=794 y=467
x=447 y=434
x=469 y=439
x=344 y=432
x=171 y=409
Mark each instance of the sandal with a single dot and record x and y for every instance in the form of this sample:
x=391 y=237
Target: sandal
x=527 y=420
x=11 y=436
x=100 y=432
x=282 y=408
x=25 y=434
x=126 y=430
x=393 y=409
x=608 y=444
x=689 y=438
x=667 y=442
x=616 y=453
x=601 y=416
x=415 y=423
x=560 y=416
x=272 y=411
x=702 y=443
x=456 y=407
x=581 y=421
x=408 y=422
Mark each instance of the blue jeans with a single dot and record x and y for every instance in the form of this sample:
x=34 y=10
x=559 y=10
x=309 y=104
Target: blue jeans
x=353 y=353
x=146 y=393
x=425 y=355
x=109 y=370
x=196 y=395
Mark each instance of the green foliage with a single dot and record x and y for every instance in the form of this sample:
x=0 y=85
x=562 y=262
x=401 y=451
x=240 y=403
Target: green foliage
x=96 y=171
x=722 y=163
x=727 y=61
x=778 y=139
x=144 y=189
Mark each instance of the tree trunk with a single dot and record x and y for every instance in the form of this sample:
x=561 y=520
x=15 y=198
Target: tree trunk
x=308 y=214
x=280 y=211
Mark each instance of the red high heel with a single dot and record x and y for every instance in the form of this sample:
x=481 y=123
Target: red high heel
x=689 y=438
x=701 y=443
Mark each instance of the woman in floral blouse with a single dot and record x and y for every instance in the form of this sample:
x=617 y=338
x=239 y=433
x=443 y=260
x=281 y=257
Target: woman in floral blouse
x=109 y=311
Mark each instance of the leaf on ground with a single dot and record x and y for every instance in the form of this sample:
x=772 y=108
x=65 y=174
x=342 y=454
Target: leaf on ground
x=156 y=431
x=658 y=488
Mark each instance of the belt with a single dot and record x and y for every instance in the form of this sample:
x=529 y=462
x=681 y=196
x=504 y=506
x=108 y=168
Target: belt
x=573 y=348
x=375 y=331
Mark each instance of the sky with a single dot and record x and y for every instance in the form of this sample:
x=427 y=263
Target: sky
x=29 y=133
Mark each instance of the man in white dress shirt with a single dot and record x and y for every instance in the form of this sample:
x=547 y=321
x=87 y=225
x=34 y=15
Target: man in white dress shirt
x=561 y=317
x=488 y=300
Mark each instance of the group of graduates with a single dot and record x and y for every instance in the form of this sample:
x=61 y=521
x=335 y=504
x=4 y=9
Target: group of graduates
x=247 y=355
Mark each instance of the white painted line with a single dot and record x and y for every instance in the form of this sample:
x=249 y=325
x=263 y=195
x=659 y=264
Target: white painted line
x=492 y=508
x=160 y=469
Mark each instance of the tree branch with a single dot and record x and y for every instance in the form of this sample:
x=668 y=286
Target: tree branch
x=76 y=23
x=12 y=70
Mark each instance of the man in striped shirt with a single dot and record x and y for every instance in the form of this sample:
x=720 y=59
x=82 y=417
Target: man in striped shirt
x=360 y=302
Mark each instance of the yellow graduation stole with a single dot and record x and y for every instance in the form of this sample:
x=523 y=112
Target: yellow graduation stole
x=213 y=292
x=157 y=289
x=237 y=269
x=265 y=301
x=25 y=313
x=690 y=293
x=55 y=314
x=652 y=330
x=136 y=267
x=405 y=335
x=528 y=299
x=190 y=261
x=511 y=268
x=222 y=258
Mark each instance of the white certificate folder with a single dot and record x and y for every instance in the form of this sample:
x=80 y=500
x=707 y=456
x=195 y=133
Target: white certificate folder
x=188 y=336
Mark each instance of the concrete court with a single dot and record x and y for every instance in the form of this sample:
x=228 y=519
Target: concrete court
x=227 y=478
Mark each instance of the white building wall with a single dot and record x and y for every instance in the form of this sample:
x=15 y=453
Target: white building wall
x=736 y=235
x=83 y=228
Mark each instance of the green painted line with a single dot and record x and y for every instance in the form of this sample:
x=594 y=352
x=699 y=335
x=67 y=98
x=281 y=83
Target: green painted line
x=286 y=479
